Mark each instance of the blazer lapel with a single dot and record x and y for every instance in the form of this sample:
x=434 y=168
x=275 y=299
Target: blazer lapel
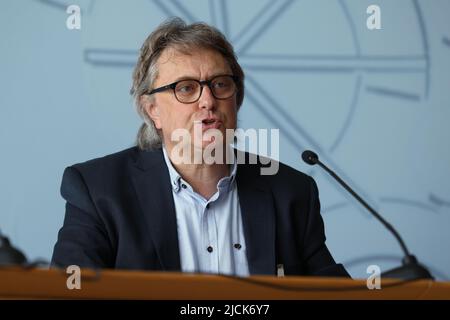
x=151 y=181
x=258 y=218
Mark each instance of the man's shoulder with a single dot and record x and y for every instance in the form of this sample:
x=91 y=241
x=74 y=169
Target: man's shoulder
x=109 y=173
x=110 y=160
x=284 y=183
x=279 y=172
x=119 y=160
x=290 y=178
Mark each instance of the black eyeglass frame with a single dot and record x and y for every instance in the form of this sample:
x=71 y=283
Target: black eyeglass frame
x=207 y=82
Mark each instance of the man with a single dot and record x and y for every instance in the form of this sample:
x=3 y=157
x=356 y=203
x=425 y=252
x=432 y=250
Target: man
x=147 y=208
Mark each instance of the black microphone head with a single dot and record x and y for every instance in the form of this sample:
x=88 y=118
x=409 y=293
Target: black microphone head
x=310 y=157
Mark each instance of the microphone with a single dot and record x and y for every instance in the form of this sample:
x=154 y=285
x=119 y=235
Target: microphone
x=410 y=269
x=9 y=255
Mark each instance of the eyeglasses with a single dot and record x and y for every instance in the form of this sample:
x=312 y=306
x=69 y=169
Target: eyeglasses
x=190 y=90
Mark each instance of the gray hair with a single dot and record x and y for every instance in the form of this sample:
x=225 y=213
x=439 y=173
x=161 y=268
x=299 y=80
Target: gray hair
x=176 y=34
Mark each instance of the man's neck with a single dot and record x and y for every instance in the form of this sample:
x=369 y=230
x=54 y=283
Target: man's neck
x=203 y=177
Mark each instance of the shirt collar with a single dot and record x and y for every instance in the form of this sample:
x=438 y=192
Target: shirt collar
x=224 y=184
x=174 y=175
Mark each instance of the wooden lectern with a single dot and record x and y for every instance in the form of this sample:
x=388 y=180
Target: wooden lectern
x=19 y=283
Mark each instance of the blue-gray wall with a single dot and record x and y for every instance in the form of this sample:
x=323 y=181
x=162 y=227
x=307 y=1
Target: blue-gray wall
x=374 y=104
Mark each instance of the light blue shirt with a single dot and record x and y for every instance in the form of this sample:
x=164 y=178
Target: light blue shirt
x=210 y=232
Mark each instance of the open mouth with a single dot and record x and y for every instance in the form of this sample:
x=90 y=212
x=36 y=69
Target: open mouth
x=209 y=121
x=211 y=124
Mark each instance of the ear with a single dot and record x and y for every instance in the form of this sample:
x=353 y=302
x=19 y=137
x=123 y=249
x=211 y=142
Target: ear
x=152 y=110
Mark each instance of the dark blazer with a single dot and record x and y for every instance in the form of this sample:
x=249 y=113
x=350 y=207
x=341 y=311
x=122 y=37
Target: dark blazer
x=120 y=214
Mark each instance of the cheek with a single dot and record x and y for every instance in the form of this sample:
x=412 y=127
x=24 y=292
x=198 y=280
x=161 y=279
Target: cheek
x=176 y=118
x=231 y=116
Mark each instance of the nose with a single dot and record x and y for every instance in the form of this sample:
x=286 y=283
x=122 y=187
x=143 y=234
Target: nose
x=207 y=100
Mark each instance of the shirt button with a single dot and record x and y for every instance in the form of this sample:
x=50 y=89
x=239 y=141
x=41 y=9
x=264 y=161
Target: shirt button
x=183 y=186
x=237 y=246
x=210 y=249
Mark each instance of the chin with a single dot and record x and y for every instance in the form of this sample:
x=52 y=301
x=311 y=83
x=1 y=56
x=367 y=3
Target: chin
x=210 y=144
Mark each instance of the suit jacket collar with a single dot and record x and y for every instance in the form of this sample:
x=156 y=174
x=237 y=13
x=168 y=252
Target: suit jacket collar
x=258 y=218
x=151 y=181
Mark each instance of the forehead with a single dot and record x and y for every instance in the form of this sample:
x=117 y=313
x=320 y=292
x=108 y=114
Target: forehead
x=198 y=64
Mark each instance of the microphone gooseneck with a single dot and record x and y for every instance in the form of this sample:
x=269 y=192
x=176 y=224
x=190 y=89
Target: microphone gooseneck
x=410 y=269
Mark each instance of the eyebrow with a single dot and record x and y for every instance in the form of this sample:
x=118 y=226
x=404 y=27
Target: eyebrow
x=181 y=78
